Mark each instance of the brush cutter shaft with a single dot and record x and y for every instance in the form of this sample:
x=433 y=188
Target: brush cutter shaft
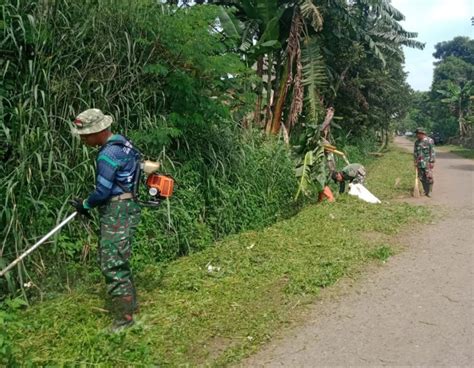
x=41 y=241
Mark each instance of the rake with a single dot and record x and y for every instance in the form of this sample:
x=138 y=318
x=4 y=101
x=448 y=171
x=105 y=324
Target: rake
x=416 y=188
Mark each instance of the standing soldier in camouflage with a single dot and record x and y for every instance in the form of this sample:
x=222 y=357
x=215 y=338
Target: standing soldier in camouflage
x=117 y=165
x=353 y=173
x=424 y=156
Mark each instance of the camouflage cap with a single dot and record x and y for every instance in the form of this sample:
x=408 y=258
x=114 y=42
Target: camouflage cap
x=91 y=121
x=420 y=130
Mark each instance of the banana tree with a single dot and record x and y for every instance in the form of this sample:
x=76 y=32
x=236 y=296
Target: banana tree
x=255 y=26
x=270 y=35
x=459 y=98
x=311 y=166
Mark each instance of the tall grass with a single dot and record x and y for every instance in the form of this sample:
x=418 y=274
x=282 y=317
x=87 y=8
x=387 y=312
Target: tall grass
x=159 y=75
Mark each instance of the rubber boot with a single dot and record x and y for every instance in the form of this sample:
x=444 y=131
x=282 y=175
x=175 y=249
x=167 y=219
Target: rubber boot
x=430 y=190
x=123 y=313
x=426 y=188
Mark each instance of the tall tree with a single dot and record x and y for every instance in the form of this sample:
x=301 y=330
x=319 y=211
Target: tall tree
x=316 y=49
x=452 y=86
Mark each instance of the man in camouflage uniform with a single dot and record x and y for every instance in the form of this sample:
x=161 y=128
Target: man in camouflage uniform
x=424 y=156
x=117 y=167
x=353 y=173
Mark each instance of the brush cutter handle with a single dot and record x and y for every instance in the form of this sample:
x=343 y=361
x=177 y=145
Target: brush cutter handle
x=41 y=241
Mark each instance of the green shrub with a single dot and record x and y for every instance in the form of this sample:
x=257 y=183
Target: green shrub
x=9 y=321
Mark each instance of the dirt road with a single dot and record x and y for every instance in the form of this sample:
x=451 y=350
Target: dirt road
x=417 y=310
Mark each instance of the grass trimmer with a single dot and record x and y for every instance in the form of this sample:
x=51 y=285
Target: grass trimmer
x=41 y=241
x=416 y=188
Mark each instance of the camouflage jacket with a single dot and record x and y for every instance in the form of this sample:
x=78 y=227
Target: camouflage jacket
x=353 y=171
x=424 y=152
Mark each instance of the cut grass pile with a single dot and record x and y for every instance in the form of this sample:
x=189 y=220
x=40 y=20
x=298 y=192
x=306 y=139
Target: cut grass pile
x=216 y=306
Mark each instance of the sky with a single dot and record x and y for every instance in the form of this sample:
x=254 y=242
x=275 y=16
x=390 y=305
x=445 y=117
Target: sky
x=434 y=21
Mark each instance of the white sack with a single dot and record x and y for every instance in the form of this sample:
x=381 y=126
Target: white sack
x=363 y=193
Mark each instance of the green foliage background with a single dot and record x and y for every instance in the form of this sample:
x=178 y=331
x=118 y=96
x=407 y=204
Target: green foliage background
x=184 y=83
x=449 y=100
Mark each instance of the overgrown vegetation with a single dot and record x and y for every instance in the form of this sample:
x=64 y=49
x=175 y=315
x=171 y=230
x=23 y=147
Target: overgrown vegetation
x=163 y=76
x=196 y=87
x=216 y=306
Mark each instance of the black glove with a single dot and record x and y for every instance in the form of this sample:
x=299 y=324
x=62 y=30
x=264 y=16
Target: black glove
x=79 y=206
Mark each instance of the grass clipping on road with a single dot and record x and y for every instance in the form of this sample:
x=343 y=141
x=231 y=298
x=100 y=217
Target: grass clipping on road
x=216 y=306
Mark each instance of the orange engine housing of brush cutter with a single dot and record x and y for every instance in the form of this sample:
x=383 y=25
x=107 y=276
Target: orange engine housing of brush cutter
x=163 y=183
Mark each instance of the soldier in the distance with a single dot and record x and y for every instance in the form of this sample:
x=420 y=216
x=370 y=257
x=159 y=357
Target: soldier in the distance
x=424 y=156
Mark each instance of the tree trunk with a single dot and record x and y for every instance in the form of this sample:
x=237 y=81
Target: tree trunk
x=258 y=105
x=384 y=136
x=283 y=90
x=462 y=127
x=292 y=52
x=268 y=109
x=327 y=122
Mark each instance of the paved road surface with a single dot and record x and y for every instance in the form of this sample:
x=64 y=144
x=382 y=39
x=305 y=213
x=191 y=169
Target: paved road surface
x=417 y=310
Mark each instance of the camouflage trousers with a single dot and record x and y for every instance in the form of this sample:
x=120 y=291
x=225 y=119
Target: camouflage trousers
x=118 y=222
x=426 y=178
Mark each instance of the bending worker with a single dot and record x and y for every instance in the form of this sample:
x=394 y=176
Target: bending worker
x=424 y=156
x=117 y=165
x=353 y=173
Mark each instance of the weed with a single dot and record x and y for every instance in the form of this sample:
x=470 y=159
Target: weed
x=9 y=321
x=382 y=253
